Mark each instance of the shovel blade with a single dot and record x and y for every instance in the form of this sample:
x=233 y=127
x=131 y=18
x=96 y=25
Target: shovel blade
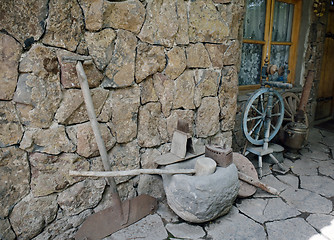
x=110 y=220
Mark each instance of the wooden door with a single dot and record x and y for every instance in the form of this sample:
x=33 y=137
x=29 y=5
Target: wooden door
x=325 y=99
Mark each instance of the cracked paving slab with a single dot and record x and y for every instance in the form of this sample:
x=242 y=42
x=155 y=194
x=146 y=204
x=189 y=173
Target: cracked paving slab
x=264 y=210
x=319 y=184
x=185 y=230
x=295 y=228
x=271 y=181
x=290 y=180
x=327 y=168
x=148 y=228
x=235 y=226
x=306 y=201
x=305 y=166
x=323 y=223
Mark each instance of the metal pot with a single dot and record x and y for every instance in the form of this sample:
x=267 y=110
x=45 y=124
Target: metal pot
x=295 y=135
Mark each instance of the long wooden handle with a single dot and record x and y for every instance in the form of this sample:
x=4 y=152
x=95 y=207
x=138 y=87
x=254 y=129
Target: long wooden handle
x=92 y=117
x=130 y=172
x=257 y=183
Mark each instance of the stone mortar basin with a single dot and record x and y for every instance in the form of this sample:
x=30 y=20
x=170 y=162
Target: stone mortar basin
x=200 y=199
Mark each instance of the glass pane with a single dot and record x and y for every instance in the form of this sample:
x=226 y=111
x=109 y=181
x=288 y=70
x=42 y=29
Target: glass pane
x=255 y=19
x=279 y=54
x=250 y=70
x=283 y=16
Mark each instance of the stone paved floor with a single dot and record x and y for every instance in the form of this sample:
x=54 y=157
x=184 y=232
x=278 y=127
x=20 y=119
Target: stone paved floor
x=303 y=211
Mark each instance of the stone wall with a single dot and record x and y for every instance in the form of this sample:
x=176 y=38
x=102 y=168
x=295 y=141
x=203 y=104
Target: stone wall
x=154 y=62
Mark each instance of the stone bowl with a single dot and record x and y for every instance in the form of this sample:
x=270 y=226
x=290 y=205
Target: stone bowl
x=200 y=199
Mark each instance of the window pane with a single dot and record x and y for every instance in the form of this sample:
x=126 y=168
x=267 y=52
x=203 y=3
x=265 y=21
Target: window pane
x=283 y=16
x=255 y=19
x=279 y=54
x=250 y=70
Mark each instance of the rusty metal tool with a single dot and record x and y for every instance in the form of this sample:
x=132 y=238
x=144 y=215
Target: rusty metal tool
x=221 y=154
x=120 y=214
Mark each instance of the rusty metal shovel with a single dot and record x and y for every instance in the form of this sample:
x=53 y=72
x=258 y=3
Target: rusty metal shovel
x=120 y=214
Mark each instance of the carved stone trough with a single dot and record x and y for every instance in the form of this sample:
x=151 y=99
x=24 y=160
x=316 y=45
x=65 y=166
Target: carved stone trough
x=200 y=199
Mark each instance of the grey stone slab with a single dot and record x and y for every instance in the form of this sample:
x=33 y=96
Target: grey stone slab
x=323 y=223
x=166 y=213
x=319 y=184
x=306 y=201
x=148 y=228
x=235 y=226
x=290 y=180
x=305 y=166
x=271 y=181
x=319 y=147
x=274 y=182
x=329 y=140
x=314 y=135
x=327 y=168
x=295 y=228
x=185 y=230
x=263 y=210
x=318 y=155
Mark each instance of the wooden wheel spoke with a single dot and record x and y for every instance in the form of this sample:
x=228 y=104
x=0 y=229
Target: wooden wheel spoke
x=257 y=124
x=256 y=110
x=272 y=126
x=287 y=105
x=253 y=118
x=257 y=133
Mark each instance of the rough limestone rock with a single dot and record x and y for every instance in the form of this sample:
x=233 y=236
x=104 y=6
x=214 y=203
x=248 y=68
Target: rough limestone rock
x=147 y=158
x=124 y=113
x=14 y=176
x=228 y=94
x=69 y=77
x=124 y=157
x=31 y=215
x=64 y=227
x=197 y=56
x=147 y=91
x=11 y=130
x=93 y=12
x=150 y=59
x=207 y=83
x=166 y=22
x=25 y=22
x=216 y=53
x=73 y=109
x=38 y=88
x=207 y=119
x=152 y=129
x=121 y=70
x=50 y=173
x=61 y=30
x=176 y=62
x=206 y=23
x=187 y=115
x=9 y=62
x=127 y=15
x=151 y=185
x=201 y=198
x=164 y=87
x=81 y=196
x=101 y=46
x=6 y=230
x=223 y=54
x=52 y=140
x=184 y=90
x=232 y=14
x=86 y=142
